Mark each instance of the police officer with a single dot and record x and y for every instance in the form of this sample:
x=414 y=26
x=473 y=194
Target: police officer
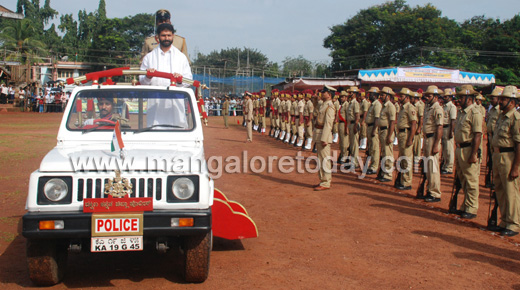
x=491 y=120
x=448 y=146
x=432 y=128
x=281 y=111
x=343 y=140
x=294 y=118
x=225 y=111
x=335 y=131
x=262 y=109
x=418 y=139
x=386 y=126
x=353 y=116
x=163 y=16
x=248 y=115
x=323 y=137
x=364 y=106
x=373 y=114
x=307 y=118
x=301 y=120
x=468 y=133
x=406 y=127
x=506 y=162
x=274 y=113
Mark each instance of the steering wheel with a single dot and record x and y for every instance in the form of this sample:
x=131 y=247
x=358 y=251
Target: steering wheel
x=105 y=122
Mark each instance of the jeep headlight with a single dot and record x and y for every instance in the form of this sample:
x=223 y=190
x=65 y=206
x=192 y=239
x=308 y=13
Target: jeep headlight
x=183 y=188
x=55 y=189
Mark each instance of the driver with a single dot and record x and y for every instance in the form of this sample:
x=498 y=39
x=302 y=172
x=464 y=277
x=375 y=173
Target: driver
x=106 y=112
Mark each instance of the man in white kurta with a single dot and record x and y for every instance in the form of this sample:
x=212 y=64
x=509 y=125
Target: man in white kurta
x=165 y=58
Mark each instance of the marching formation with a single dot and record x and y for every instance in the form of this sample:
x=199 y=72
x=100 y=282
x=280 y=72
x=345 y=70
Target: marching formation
x=436 y=131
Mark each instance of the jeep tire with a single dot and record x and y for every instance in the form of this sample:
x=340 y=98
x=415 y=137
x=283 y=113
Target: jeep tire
x=46 y=261
x=196 y=251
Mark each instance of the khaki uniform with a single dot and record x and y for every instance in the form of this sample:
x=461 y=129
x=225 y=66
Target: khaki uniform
x=281 y=112
x=178 y=41
x=448 y=145
x=418 y=137
x=365 y=105
x=353 y=109
x=262 y=103
x=406 y=116
x=248 y=113
x=433 y=117
x=307 y=112
x=301 y=128
x=374 y=112
x=492 y=117
x=255 y=112
x=287 y=109
x=225 y=112
x=469 y=123
x=388 y=115
x=323 y=133
x=343 y=140
x=337 y=105
x=506 y=134
x=295 y=117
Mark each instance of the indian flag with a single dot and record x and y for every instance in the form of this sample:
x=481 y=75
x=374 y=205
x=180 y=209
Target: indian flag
x=117 y=141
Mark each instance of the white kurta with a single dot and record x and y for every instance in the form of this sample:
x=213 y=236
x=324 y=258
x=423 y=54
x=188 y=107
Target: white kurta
x=161 y=111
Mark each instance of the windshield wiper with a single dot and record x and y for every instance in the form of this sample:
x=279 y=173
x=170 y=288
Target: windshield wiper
x=155 y=126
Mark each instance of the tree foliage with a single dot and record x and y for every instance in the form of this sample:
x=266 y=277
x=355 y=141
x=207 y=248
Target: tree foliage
x=395 y=34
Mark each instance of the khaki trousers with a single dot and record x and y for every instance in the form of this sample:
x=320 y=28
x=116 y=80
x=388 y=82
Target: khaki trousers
x=249 y=130
x=308 y=130
x=406 y=159
x=263 y=122
x=335 y=128
x=417 y=147
x=387 y=150
x=363 y=131
x=373 y=149
x=431 y=165
x=448 y=151
x=325 y=172
x=469 y=179
x=354 y=143
x=507 y=191
x=226 y=120
x=343 y=141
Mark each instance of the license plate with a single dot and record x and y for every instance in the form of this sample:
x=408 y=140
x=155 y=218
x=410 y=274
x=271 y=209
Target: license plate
x=116 y=244
x=106 y=225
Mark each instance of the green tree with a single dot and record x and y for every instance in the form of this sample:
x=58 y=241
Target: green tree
x=19 y=37
x=296 y=67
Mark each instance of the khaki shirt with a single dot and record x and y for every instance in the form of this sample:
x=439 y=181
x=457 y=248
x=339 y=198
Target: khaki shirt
x=263 y=102
x=387 y=114
x=374 y=112
x=407 y=115
x=288 y=105
x=301 y=107
x=365 y=105
x=468 y=123
x=337 y=106
x=325 y=118
x=178 y=41
x=248 y=110
x=450 y=112
x=353 y=109
x=225 y=108
x=294 y=108
x=343 y=111
x=492 y=118
x=507 y=130
x=308 y=109
x=420 y=108
x=433 y=117
x=482 y=110
x=317 y=108
x=281 y=106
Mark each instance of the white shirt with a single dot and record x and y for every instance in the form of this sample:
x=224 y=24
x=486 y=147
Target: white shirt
x=5 y=90
x=159 y=111
x=172 y=61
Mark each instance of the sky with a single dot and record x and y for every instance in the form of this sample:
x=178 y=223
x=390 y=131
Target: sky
x=276 y=28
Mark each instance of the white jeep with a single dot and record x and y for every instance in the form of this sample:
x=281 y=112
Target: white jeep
x=89 y=196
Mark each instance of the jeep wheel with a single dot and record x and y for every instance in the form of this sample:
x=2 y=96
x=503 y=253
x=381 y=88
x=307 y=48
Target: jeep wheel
x=46 y=261
x=196 y=251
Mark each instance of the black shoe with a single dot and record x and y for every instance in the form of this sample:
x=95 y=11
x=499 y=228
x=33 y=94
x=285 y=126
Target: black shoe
x=446 y=172
x=508 y=232
x=430 y=198
x=370 y=172
x=455 y=211
x=468 y=216
x=384 y=180
x=494 y=228
x=401 y=187
x=314 y=150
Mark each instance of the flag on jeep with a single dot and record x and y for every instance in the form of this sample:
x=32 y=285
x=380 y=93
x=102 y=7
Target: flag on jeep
x=117 y=141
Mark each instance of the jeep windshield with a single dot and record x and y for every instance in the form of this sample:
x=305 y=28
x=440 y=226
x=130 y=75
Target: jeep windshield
x=136 y=110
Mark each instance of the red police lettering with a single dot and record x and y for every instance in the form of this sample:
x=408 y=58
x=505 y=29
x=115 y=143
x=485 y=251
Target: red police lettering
x=117 y=225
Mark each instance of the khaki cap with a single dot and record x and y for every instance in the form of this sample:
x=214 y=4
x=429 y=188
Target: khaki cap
x=510 y=92
x=467 y=90
x=449 y=92
x=343 y=93
x=405 y=91
x=328 y=89
x=480 y=97
x=374 y=90
x=353 y=89
x=496 y=92
x=387 y=90
x=433 y=90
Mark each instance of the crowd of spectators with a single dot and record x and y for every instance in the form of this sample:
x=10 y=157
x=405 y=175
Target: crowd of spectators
x=214 y=105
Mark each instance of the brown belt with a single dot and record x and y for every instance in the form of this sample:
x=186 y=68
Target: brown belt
x=318 y=126
x=429 y=135
x=403 y=130
x=504 y=149
x=383 y=128
x=464 y=145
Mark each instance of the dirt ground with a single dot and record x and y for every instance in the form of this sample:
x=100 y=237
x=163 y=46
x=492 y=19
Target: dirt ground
x=361 y=234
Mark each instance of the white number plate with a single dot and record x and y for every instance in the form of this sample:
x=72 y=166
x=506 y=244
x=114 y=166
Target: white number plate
x=116 y=244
